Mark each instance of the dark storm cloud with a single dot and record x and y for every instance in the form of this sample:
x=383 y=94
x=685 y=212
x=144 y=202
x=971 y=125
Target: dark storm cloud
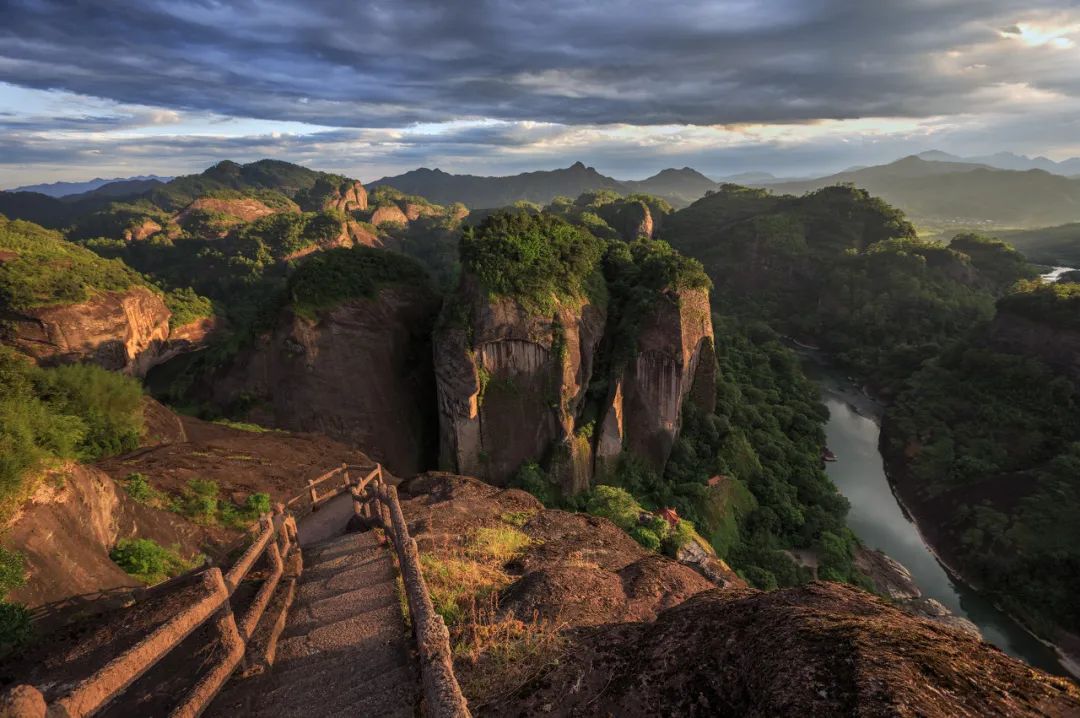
x=384 y=64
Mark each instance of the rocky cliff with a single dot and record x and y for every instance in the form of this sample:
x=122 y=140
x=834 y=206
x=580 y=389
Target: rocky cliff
x=66 y=529
x=359 y=372
x=824 y=649
x=511 y=382
x=588 y=623
x=632 y=219
x=673 y=361
x=347 y=197
x=123 y=331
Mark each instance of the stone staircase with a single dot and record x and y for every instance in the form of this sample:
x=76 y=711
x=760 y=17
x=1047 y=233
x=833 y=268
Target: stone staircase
x=345 y=649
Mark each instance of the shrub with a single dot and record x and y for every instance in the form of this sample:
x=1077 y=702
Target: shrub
x=530 y=477
x=199 y=501
x=139 y=488
x=15 y=628
x=12 y=570
x=646 y=537
x=683 y=533
x=148 y=561
x=257 y=504
x=615 y=504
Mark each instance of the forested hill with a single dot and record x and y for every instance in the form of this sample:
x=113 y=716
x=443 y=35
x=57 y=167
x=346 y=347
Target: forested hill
x=997 y=488
x=961 y=193
x=935 y=329
x=844 y=270
x=679 y=187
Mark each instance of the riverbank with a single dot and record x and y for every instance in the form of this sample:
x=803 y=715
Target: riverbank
x=929 y=523
x=882 y=520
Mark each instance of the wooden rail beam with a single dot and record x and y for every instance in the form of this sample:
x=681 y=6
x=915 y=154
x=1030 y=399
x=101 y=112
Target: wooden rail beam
x=87 y=696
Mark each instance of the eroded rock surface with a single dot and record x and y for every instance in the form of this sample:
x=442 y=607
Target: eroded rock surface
x=360 y=373
x=123 y=331
x=824 y=649
x=674 y=361
x=66 y=530
x=510 y=383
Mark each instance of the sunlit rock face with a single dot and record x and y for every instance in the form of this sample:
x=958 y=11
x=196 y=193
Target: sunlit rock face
x=674 y=362
x=511 y=382
x=122 y=331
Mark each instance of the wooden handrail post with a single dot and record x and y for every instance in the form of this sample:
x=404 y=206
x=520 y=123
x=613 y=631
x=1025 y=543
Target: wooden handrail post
x=358 y=502
x=311 y=490
x=345 y=474
x=207 y=688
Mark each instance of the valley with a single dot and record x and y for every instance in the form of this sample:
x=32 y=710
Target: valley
x=610 y=359
x=880 y=521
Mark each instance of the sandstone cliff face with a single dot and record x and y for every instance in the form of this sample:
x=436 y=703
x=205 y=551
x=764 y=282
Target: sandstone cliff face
x=68 y=527
x=360 y=373
x=141 y=231
x=123 y=331
x=632 y=219
x=511 y=383
x=348 y=198
x=674 y=361
x=1058 y=347
x=388 y=213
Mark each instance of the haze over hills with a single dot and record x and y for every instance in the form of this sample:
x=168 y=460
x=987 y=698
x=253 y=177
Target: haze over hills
x=931 y=191
x=1010 y=161
x=957 y=192
x=65 y=189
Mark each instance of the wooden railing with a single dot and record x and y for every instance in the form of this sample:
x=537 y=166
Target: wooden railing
x=275 y=537
x=442 y=694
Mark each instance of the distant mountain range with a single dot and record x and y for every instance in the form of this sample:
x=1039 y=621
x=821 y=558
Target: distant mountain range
x=1010 y=161
x=680 y=187
x=64 y=189
x=961 y=192
x=933 y=189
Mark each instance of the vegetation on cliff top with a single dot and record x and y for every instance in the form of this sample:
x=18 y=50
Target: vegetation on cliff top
x=39 y=268
x=534 y=259
x=1056 y=304
x=338 y=275
x=846 y=271
x=70 y=412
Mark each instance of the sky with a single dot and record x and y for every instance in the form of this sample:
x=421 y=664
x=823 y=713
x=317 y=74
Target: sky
x=373 y=88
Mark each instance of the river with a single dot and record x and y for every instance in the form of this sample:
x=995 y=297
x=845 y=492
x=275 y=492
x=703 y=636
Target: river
x=879 y=521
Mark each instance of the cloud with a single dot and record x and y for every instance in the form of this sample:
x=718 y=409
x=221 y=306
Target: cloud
x=383 y=64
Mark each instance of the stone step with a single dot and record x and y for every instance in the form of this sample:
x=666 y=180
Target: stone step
x=310 y=616
x=389 y=693
x=376 y=577
x=314 y=570
x=371 y=630
x=306 y=674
